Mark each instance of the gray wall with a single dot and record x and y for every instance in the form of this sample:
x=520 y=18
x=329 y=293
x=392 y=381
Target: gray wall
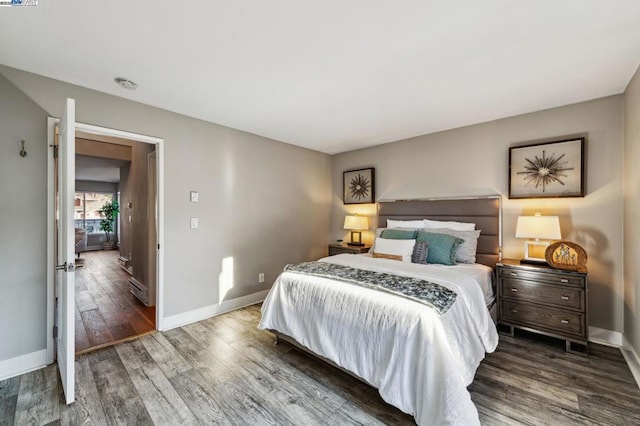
x=263 y=203
x=23 y=226
x=133 y=189
x=632 y=212
x=473 y=160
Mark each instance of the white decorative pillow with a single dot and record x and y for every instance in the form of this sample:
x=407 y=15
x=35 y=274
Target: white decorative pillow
x=394 y=249
x=410 y=224
x=455 y=226
x=378 y=233
x=466 y=251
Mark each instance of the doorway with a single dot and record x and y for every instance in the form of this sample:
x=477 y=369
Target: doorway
x=157 y=249
x=115 y=291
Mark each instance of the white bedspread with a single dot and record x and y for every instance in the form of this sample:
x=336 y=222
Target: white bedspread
x=419 y=361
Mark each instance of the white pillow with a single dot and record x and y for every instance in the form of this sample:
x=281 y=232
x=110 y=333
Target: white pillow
x=412 y=224
x=466 y=251
x=378 y=233
x=456 y=226
x=401 y=248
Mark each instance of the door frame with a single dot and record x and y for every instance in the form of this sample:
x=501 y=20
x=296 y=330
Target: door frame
x=51 y=222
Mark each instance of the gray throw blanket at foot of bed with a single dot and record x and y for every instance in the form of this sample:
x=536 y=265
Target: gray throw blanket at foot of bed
x=431 y=294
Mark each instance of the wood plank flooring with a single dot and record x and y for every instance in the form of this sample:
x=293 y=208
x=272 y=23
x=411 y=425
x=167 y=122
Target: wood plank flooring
x=106 y=311
x=225 y=371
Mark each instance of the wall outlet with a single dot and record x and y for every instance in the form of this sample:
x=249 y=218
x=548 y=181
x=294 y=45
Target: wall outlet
x=194 y=223
x=193 y=196
x=261 y=277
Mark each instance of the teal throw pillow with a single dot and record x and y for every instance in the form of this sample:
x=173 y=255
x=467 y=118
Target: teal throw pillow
x=442 y=247
x=399 y=234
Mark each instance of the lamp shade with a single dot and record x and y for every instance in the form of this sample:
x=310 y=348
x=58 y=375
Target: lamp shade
x=356 y=223
x=540 y=227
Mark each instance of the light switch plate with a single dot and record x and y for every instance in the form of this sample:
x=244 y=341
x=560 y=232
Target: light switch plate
x=194 y=222
x=194 y=196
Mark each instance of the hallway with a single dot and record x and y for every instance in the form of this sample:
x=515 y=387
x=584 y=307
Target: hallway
x=106 y=312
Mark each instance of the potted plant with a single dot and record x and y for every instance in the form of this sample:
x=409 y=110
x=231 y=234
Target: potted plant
x=108 y=213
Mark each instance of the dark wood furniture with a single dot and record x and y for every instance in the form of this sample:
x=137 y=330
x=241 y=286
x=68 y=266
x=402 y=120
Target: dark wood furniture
x=343 y=248
x=544 y=300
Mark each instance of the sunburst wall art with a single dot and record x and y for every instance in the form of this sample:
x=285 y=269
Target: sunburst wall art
x=359 y=186
x=547 y=170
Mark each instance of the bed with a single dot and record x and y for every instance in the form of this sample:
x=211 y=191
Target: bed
x=420 y=358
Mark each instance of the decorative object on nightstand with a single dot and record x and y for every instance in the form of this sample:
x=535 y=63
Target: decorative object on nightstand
x=356 y=224
x=341 y=248
x=541 y=229
x=566 y=255
x=544 y=300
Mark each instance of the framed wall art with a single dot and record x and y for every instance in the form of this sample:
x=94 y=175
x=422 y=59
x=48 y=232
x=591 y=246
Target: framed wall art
x=547 y=170
x=359 y=186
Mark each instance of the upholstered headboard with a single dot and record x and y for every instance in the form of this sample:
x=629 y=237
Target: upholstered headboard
x=485 y=212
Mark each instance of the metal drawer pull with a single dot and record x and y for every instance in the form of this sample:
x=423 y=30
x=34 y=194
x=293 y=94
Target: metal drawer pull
x=564 y=321
x=564 y=280
x=514 y=289
x=564 y=297
x=514 y=311
x=515 y=274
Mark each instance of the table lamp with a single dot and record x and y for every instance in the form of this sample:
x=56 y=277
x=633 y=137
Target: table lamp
x=356 y=224
x=540 y=230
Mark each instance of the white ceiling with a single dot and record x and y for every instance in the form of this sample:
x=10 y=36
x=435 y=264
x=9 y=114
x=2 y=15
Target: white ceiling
x=333 y=75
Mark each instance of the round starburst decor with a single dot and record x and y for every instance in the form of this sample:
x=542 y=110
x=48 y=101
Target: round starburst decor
x=359 y=187
x=544 y=171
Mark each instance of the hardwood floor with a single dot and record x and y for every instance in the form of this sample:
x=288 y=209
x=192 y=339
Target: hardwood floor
x=225 y=371
x=106 y=311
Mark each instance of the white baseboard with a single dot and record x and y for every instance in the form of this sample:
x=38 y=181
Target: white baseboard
x=633 y=360
x=615 y=338
x=23 y=364
x=200 y=314
x=605 y=337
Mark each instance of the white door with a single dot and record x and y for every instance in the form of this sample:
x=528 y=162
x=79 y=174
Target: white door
x=65 y=271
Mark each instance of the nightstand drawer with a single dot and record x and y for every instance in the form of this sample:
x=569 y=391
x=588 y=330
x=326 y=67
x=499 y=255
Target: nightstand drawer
x=551 y=278
x=342 y=249
x=338 y=250
x=553 y=295
x=555 y=320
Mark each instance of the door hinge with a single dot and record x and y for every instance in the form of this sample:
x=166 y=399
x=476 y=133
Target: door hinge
x=55 y=150
x=55 y=331
x=158 y=246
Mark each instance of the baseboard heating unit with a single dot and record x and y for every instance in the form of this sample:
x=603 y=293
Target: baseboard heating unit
x=140 y=291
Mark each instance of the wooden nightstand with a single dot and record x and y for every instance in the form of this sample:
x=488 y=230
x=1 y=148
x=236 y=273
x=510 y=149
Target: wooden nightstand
x=343 y=248
x=544 y=300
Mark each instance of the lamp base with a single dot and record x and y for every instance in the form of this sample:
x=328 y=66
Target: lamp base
x=534 y=252
x=356 y=239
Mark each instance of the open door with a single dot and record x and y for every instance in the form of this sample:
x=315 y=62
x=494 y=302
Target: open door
x=65 y=269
